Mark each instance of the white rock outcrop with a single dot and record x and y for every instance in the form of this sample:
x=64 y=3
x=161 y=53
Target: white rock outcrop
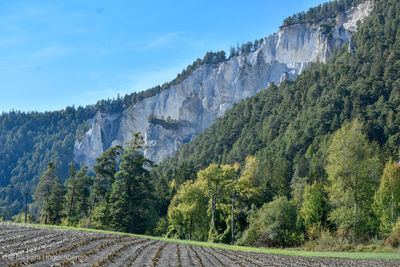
x=210 y=90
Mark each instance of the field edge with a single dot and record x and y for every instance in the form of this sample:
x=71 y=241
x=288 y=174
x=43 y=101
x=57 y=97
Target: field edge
x=286 y=252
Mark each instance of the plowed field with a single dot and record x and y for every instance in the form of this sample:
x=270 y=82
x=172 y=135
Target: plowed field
x=40 y=246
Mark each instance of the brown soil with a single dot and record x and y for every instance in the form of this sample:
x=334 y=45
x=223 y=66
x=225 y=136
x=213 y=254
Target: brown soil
x=36 y=246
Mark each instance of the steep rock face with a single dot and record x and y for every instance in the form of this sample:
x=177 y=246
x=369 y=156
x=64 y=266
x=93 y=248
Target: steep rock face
x=211 y=89
x=97 y=139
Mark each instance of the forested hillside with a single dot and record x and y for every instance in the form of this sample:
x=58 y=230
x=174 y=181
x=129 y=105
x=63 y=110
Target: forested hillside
x=297 y=132
x=311 y=162
x=316 y=14
x=288 y=124
x=30 y=140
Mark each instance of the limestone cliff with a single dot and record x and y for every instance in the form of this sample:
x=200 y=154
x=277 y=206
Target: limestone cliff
x=211 y=89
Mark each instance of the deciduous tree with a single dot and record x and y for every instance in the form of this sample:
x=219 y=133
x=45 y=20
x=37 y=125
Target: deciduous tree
x=216 y=177
x=187 y=214
x=387 y=197
x=314 y=209
x=353 y=171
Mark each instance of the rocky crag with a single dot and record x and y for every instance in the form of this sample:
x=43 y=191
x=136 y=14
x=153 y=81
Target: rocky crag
x=182 y=111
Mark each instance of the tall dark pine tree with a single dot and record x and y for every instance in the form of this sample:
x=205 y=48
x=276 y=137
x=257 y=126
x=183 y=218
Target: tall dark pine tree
x=105 y=170
x=56 y=202
x=78 y=195
x=71 y=183
x=131 y=198
x=44 y=189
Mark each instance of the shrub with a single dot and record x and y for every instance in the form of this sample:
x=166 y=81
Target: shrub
x=274 y=224
x=394 y=239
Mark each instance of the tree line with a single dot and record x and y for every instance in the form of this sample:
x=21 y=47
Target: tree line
x=29 y=140
x=324 y=11
x=360 y=198
x=290 y=127
x=357 y=200
x=118 y=196
x=312 y=161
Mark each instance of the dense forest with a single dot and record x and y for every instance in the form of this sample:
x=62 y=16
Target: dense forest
x=30 y=140
x=322 y=12
x=311 y=162
x=295 y=134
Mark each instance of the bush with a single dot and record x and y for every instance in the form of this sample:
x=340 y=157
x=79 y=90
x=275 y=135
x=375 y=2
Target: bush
x=274 y=224
x=20 y=218
x=394 y=239
x=161 y=227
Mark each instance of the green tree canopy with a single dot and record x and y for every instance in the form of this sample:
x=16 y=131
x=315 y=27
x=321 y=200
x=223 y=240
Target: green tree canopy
x=77 y=196
x=314 y=209
x=44 y=189
x=187 y=214
x=132 y=192
x=353 y=174
x=387 y=197
x=56 y=202
x=274 y=224
x=217 y=178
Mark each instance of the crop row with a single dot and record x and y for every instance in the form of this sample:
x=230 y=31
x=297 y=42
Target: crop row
x=68 y=262
x=178 y=256
x=197 y=256
x=115 y=253
x=32 y=240
x=139 y=251
x=213 y=256
x=156 y=257
x=54 y=253
x=20 y=246
x=30 y=251
x=238 y=254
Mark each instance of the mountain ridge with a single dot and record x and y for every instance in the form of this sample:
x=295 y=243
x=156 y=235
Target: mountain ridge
x=29 y=140
x=211 y=89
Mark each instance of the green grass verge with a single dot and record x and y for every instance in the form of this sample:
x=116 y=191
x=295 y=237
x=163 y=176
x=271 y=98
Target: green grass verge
x=288 y=252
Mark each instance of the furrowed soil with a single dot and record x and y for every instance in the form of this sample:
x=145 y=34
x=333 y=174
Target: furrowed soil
x=22 y=245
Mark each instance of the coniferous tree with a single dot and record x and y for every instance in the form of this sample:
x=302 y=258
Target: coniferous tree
x=78 y=195
x=56 y=202
x=44 y=189
x=71 y=186
x=105 y=170
x=131 y=197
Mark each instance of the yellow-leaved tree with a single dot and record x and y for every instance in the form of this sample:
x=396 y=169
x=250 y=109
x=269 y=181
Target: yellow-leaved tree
x=353 y=175
x=387 y=198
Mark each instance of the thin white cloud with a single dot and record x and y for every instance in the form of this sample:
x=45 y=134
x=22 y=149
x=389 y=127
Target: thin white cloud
x=34 y=11
x=17 y=67
x=52 y=51
x=9 y=42
x=165 y=39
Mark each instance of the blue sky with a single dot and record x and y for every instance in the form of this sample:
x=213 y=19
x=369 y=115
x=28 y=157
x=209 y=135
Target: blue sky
x=55 y=54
